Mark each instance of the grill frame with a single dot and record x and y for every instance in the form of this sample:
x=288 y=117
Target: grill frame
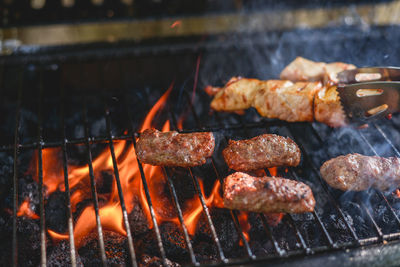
x=280 y=253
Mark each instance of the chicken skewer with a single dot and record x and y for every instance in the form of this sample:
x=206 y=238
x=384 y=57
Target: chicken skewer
x=306 y=92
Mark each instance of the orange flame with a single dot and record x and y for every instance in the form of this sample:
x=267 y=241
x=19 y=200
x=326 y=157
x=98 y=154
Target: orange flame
x=245 y=225
x=273 y=171
x=194 y=208
x=24 y=210
x=397 y=193
x=131 y=183
x=110 y=212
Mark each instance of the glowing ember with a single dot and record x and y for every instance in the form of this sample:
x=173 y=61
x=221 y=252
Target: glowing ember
x=397 y=193
x=24 y=210
x=176 y=23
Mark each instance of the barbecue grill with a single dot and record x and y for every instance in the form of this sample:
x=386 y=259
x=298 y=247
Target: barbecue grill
x=65 y=107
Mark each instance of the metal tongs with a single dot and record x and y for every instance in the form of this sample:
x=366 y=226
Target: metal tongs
x=369 y=93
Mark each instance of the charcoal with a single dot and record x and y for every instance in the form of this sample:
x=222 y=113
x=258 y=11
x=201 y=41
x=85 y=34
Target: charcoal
x=173 y=241
x=225 y=227
x=137 y=220
x=29 y=190
x=116 y=249
x=153 y=261
x=56 y=212
x=60 y=255
x=6 y=237
x=28 y=241
x=205 y=251
x=104 y=184
x=6 y=173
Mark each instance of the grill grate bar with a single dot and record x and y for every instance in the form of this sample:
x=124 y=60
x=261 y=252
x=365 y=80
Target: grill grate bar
x=379 y=193
x=146 y=190
x=370 y=217
x=376 y=227
x=120 y=193
x=323 y=184
x=207 y=213
x=15 y=176
x=180 y=217
x=316 y=216
x=40 y=174
x=93 y=186
x=278 y=250
x=233 y=213
x=66 y=181
x=294 y=226
x=104 y=139
x=234 y=216
x=299 y=236
x=387 y=139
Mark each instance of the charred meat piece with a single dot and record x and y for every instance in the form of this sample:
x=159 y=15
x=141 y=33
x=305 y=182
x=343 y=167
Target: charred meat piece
x=236 y=95
x=174 y=149
x=264 y=151
x=328 y=109
x=358 y=172
x=304 y=70
x=267 y=194
x=287 y=101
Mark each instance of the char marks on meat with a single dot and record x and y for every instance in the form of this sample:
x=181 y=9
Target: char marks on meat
x=264 y=151
x=267 y=194
x=174 y=149
x=358 y=172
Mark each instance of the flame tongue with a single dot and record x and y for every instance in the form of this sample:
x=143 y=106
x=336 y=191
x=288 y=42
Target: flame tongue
x=133 y=190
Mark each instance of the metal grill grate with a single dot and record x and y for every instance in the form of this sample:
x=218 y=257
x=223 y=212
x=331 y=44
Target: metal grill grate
x=307 y=136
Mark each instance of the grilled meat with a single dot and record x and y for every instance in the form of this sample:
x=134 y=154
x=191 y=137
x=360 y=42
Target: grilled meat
x=358 y=172
x=306 y=92
x=174 y=149
x=327 y=107
x=304 y=70
x=266 y=194
x=264 y=151
x=287 y=101
x=236 y=95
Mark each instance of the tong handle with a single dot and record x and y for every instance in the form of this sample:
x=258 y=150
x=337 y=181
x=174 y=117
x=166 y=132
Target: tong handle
x=369 y=74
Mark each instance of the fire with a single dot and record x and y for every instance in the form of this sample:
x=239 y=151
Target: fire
x=194 y=208
x=273 y=171
x=176 y=23
x=397 y=193
x=24 y=210
x=245 y=225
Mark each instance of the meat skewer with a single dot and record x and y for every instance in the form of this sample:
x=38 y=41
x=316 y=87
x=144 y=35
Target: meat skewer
x=267 y=194
x=306 y=92
x=264 y=151
x=174 y=149
x=358 y=172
